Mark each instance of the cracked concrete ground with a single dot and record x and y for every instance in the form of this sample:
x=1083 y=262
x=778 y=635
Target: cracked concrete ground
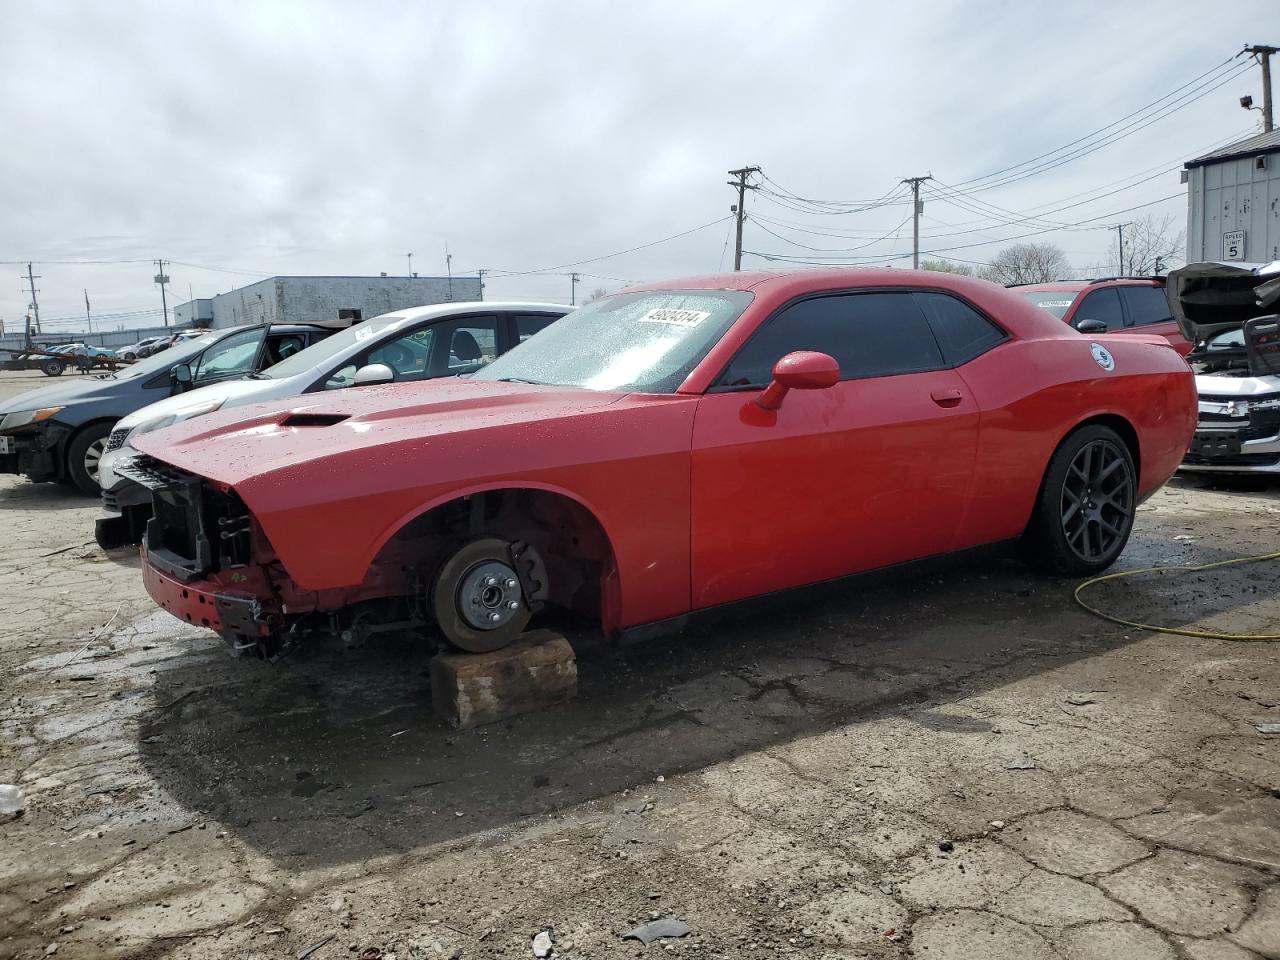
x=955 y=765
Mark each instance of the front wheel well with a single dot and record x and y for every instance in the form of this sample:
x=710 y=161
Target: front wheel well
x=569 y=537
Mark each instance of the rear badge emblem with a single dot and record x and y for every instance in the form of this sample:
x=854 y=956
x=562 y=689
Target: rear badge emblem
x=1102 y=357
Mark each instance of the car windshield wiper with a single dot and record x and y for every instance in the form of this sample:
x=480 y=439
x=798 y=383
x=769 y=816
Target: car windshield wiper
x=536 y=383
x=257 y=375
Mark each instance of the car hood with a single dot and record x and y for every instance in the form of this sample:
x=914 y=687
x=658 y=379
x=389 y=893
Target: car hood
x=234 y=446
x=1207 y=299
x=230 y=393
x=64 y=394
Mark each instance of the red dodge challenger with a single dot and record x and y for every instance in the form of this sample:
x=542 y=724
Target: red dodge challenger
x=666 y=450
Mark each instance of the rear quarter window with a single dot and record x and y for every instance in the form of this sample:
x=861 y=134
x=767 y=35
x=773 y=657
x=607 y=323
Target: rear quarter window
x=1146 y=305
x=962 y=332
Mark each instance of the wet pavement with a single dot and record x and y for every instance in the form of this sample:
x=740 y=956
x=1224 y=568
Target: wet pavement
x=952 y=764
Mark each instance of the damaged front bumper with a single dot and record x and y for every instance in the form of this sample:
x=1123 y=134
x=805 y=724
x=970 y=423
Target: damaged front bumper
x=241 y=620
x=34 y=452
x=1236 y=435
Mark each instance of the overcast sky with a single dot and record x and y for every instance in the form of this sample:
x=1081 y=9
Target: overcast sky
x=279 y=138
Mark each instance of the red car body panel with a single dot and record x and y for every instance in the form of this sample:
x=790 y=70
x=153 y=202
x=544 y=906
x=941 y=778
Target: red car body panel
x=704 y=497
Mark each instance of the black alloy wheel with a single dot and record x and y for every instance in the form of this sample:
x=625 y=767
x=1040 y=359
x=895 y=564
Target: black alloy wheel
x=1086 y=506
x=1097 y=500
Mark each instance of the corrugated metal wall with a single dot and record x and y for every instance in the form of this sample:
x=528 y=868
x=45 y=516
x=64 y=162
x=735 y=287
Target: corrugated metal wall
x=1234 y=195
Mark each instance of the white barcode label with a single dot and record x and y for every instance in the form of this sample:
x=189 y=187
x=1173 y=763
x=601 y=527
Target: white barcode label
x=676 y=318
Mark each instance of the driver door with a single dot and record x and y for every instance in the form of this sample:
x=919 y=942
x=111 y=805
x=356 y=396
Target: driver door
x=870 y=472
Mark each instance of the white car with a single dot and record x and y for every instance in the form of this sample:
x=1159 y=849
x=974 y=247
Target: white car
x=1228 y=310
x=419 y=343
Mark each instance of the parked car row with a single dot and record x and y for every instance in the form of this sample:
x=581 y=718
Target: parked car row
x=660 y=452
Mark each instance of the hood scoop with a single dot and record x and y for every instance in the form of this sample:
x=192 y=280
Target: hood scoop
x=314 y=419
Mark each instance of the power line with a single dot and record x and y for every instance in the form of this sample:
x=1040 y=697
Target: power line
x=1226 y=65
x=610 y=256
x=1091 y=148
x=964 y=246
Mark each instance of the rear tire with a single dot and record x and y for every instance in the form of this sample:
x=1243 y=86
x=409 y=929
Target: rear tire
x=52 y=368
x=477 y=599
x=83 y=454
x=1086 y=506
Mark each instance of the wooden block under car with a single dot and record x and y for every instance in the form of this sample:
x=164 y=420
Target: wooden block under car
x=471 y=689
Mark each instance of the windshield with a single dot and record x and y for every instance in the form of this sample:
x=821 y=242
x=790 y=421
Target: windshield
x=182 y=350
x=1231 y=340
x=1057 y=302
x=646 y=342
x=331 y=346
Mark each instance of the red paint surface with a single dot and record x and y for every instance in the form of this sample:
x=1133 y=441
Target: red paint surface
x=704 y=497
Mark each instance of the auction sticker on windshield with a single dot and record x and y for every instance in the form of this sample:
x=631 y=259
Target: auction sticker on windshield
x=674 y=317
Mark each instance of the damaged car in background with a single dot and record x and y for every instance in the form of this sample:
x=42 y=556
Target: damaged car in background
x=663 y=451
x=1230 y=312
x=415 y=343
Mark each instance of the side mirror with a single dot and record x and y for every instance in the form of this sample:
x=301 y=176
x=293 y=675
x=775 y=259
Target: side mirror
x=181 y=375
x=1091 y=326
x=372 y=373
x=802 y=370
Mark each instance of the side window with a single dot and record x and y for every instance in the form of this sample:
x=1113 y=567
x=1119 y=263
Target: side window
x=1101 y=305
x=868 y=334
x=408 y=356
x=470 y=344
x=963 y=333
x=230 y=357
x=529 y=324
x=280 y=346
x=1146 y=305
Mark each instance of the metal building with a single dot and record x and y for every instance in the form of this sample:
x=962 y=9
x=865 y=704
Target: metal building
x=1233 y=200
x=320 y=299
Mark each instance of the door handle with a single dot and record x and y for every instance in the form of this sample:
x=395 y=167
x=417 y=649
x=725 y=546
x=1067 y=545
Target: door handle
x=950 y=397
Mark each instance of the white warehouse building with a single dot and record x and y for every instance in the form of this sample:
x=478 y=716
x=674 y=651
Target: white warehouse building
x=1233 y=202
x=322 y=299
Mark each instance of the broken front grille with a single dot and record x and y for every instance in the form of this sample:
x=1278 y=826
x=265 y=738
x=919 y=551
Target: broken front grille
x=195 y=529
x=1262 y=420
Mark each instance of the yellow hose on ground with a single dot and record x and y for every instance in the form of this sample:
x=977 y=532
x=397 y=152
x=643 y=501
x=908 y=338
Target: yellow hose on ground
x=1180 y=631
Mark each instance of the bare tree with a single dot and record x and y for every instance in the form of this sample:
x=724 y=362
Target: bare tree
x=1152 y=245
x=1028 y=263
x=945 y=266
x=596 y=294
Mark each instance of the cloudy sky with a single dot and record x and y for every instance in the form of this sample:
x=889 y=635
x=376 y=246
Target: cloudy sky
x=244 y=140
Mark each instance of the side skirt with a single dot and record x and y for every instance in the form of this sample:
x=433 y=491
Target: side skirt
x=643 y=632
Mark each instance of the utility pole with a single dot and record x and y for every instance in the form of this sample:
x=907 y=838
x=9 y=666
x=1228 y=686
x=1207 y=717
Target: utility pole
x=35 y=305
x=740 y=208
x=916 y=208
x=448 y=266
x=573 y=288
x=1263 y=56
x=480 y=273
x=87 y=317
x=162 y=279
x=1120 y=247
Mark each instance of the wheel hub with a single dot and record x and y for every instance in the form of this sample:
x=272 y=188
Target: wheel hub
x=1097 y=500
x=489 y=595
